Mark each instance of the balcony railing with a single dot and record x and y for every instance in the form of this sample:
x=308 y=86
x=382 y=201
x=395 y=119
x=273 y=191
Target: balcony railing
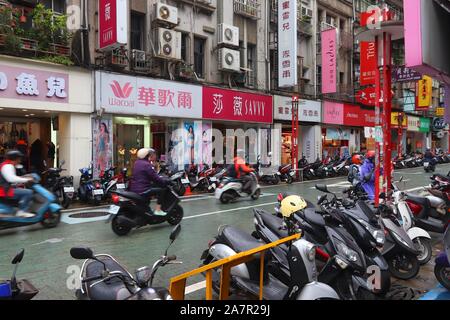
x=344 y=93
x=305 y=27
x=247 y=8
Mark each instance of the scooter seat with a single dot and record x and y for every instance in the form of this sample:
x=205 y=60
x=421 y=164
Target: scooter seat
x=114 y=289
x=442 y=177
x=132 y=196
x=274 y=224
x=420 y=200
x=239 y=240
x=314 y=218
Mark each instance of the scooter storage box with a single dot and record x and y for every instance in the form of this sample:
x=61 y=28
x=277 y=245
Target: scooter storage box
x=5 y=289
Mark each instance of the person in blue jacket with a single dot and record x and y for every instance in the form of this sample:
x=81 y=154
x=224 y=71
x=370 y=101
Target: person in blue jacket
x=367 y=176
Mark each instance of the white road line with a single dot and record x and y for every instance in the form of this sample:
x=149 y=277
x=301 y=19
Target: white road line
x=195 y=287
x=230 y=210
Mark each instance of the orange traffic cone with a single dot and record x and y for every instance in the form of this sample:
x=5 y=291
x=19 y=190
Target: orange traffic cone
x=188 y=191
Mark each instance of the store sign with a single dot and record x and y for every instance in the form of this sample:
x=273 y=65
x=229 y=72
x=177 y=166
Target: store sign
x=34 y=85
x=308 y=110
x=333 y=113
x=119 y=94
x=329 y=60
x=367 y=96
x=404 y=74
x=287 y=43
x=440 y=112
x=379 y=134
x=368 y=63
x=355 y=116
x=438 y=124
x=424 y=93
x=425 y=125
x=395 y=120
x=113 y=23
x=230 y=105
x=338 y=134
x=369 y=132
x=413 y=123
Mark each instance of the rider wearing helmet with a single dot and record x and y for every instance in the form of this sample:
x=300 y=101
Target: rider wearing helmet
x=353 y=171
x=367 y=177
x=239 y=170
x=145 y=177
x=429 y=156
x=9 y=178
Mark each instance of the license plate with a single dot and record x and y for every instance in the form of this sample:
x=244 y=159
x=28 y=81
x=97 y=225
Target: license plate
x=184 y=181
x=279 y=173
x=292 y=173
x=69 y=189
x=98 y=192
x=121 y=186
x=213 y=179
x=426 y=164
x=114 y=210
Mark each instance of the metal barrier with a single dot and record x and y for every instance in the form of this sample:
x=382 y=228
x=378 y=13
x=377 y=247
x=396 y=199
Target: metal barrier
x=178 y=284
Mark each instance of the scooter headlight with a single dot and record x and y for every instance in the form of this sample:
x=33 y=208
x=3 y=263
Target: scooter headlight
x=379 y=237
x=350 y=254
x=341 y=263
x=311 y=252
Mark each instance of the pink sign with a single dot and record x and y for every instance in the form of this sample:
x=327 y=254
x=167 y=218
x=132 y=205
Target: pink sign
x=219 y=104
x=413 y=33
x=108 y=23
x=33 y=85
x=329 y=56
x=333 y=113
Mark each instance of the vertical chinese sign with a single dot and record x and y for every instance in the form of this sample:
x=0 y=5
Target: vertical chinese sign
x=287 y=43
x=113 y=23
x=329 y=56
x=368 y=63
x=424 y=93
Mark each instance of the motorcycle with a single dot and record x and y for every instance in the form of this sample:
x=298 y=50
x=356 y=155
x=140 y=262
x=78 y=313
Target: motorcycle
x=44 y=205
x=179 y=181
x=131 y=210
x=230 y=190
x=442 y=266
x=342 y=168
x=104 y=278
x=62 y=187
x=17 y=289
x=199 y=180
x=303 y=284
x=90 y=190
x=214 y=180
x=272 y=178
x=287 y=174
x=111 y=182
x=429 y=165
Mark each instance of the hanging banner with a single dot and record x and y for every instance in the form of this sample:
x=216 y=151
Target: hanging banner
x=287 y=43
x=425 y=125
x=424 y=93
x=395 y=120
x=367 y=96
x=368 y=63
x=113 y=23
x=333 y=113
x=404 y=74
x=329 y=58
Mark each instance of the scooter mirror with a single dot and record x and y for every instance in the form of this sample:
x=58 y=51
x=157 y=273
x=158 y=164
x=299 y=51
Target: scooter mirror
x=81 y=253
x=175 y=232
x=18 y=258
x=322 y=199
x=322 y=187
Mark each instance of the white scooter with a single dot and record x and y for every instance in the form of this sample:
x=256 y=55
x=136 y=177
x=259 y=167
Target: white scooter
x=230 y=189
x=420 y=237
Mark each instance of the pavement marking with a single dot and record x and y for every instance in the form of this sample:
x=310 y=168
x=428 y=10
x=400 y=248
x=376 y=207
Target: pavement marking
x=51 y=241
x=195 y=287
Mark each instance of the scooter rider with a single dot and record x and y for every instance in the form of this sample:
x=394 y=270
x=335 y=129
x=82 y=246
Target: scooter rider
x=8 y=178
x=239 y=170
x=429 y=157
x=353 y=171
x=145 y=177
x=367 y=176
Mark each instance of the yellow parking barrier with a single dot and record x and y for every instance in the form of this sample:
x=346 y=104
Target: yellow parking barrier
x=178 y=284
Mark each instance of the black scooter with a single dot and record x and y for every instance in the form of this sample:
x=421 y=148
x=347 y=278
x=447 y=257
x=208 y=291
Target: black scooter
x=131 y=210
x=62 y=187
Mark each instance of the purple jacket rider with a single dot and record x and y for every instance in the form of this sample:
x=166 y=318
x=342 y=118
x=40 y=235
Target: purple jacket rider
x=145 y=177
x=368 y=186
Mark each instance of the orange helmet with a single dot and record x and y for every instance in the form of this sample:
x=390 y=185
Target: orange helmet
x=370 y=154
x=357 y=159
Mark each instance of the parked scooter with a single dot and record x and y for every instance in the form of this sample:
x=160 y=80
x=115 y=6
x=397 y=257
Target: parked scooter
x=287 y=174
x=442 y=266
x=179 y=181
x=272 y=178
x=199 y=180
x=429 y=165
x=62 y=187
x=230 y=190
x=90 y=190
x=17 y=289
x=131 y=210
x=44 y=205
x=103 y=278
x=112 y=182
x=214 y=181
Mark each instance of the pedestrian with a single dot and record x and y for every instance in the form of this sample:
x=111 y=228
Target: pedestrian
x=51 y=151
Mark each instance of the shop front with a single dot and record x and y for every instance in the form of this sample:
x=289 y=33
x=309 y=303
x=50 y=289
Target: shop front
x=359 y=121
x=335 y=137
x=399 y=133
x=418 y=137
x=45 y=112
x=310 y=117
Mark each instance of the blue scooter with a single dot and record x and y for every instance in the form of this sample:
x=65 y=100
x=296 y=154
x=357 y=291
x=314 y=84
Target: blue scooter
x=442 y=267
x=90 y=190
x=44 y=204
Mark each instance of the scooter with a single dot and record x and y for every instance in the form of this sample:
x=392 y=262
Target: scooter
x=62 y=187
x=214 y=181
x=442 y=266
x=103 y=278
x=231 y=189
x=44 y=204
x=429 y=165
x=180 y=181
x=272 y=178
x=90 y=190
x=131 y=210
x=303 y=284
x=287 y=174
x=17 y=290
x=112 y=182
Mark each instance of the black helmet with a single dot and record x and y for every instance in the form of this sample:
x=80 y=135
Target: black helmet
x=14 y=155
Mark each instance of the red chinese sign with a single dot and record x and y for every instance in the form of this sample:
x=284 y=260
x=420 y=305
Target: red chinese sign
x=355 y=116
x=368 y=63
x=113 y=23
x=367 y=96
x=220 y=104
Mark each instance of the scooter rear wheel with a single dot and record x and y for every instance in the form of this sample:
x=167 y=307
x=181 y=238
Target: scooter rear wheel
x=256 y=195
x=442 y=274
x=404 y=266
x=289 y=180
x=424 y=246
x=176 y=215
x=119 y=229
x=52 y=221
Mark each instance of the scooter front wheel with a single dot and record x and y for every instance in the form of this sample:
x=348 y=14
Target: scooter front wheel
x=176 y=215
x=442 y=274
x=51 y=220
x=118 y=228
x=423 y=245
x=404 y=266
x=256 y=195
x=289 y=180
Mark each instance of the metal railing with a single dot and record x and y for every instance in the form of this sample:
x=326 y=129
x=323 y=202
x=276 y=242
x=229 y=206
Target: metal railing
x=247 y=8
x=304 y=27
x=178 y=284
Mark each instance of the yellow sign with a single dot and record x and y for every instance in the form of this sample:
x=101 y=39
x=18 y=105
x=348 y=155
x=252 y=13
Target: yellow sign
x=440 y=112
x=394 y=120
x=424 y=92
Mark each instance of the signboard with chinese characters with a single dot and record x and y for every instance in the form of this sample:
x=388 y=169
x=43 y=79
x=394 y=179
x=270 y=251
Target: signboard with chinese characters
x=308 y=110
x=424 y=93
x=287 y=43
x=413 y=124
x=440 y=112
x=356 y=117
x=230 y=105
x=404 y=74
x=34 y=85
x=329 y=60
x=395 y=120
x=333 y=113
x=368 y=63
x=113 y=23
x=148 y=97
x=366 y=96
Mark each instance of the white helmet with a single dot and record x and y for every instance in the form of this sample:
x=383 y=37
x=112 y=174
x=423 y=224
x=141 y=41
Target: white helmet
x=144 y=152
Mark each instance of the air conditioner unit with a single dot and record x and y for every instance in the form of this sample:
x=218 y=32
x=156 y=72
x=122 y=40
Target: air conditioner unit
x=228 y=35
x=166 y=13
x=229 y=60
x=307 y=12
x=169 y=44
x=138 y=55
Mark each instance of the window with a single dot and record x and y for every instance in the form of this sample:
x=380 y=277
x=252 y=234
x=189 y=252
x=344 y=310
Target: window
x=185 y=47
x=251 y=64
x=341 y=78
x=137 y=31
x=199 y=57
x=58 y=6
